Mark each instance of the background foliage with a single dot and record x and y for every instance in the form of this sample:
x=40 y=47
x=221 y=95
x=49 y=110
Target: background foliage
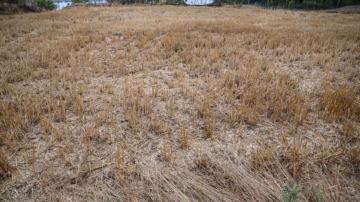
x=80 y=1
x=305 y=4
x=47 y=4
x=286 y=4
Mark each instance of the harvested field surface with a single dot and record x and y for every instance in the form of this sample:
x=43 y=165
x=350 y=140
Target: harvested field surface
x=345 y=9
x=164 y=103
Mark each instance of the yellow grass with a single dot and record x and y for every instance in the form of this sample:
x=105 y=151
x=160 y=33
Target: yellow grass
x=163 y=103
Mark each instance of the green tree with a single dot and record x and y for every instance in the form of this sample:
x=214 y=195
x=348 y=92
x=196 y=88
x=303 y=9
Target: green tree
x=80 y=1
x=47 y=4
x=175 y=2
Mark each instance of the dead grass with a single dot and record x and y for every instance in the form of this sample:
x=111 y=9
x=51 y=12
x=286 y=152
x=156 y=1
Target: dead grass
x=163 y=103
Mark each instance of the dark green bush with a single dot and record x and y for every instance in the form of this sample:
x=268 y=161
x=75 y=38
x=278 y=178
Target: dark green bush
x=80 y=1
x=47 y=4
x=175 y=2
x=237 y=2
x=13 y=1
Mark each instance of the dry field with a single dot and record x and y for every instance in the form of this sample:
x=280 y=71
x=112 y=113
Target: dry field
x=163 y=103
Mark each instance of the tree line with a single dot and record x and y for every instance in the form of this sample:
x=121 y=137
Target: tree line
x=305 y=4
x=284 y=4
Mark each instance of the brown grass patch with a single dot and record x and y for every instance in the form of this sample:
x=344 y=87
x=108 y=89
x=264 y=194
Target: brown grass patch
x=163 y=103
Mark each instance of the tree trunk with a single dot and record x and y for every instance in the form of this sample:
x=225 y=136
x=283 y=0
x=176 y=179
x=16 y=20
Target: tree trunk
x=338 y=4
x=307 y=5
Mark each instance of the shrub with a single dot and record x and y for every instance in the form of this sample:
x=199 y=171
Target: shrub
x=47 y=4
x=80 y=1
x=291 y=194
x=295 y=193
x=237 y=2
x=175 y=2
x=13 y=1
